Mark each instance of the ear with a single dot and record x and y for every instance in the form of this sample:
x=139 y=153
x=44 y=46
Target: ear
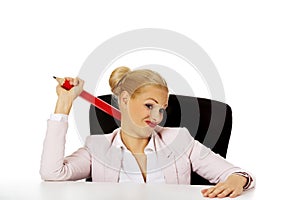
x=124 y=98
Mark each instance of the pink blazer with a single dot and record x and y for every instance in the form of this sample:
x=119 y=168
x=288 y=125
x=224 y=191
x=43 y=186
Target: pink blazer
x=177 y=152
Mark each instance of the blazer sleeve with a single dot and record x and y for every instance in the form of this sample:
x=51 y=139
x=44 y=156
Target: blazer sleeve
x=54 y=166
x=212 y=166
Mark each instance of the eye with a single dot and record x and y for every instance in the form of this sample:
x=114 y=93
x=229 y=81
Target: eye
x=161 y=110
x=149 y=106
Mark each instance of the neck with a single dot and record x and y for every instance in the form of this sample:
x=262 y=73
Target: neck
x=134 y=144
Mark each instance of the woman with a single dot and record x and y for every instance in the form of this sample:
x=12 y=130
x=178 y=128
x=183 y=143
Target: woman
x=140 y=150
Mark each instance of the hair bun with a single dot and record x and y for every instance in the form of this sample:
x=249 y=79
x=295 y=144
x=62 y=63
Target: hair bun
x=116 y=76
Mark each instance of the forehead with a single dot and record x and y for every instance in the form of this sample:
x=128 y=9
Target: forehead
x=153 y=92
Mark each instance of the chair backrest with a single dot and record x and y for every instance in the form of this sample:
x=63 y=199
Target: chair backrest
x=208 y=121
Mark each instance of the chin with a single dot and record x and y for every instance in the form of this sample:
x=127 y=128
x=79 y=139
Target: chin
x=146 y=132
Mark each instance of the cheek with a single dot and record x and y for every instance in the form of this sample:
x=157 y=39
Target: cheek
x=138 y=113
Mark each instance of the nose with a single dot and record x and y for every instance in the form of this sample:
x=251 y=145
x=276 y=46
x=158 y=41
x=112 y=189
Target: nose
x=155 y=115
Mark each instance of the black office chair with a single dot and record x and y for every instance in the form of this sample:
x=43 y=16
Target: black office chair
x=208 y=121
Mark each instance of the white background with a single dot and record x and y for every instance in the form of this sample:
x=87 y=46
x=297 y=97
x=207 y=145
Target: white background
x=255 y=46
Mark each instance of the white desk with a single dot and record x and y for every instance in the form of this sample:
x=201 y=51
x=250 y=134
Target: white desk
x=104 y=191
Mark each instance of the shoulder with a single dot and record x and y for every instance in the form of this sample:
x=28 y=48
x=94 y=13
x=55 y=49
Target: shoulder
x=100 y=141
x=101 y=147
x=170 y=135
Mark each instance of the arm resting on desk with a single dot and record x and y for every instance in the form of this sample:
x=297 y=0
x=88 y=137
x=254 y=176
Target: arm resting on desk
x=212 y=166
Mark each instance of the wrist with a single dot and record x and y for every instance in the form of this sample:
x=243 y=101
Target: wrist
x=247 y=179
x=63 y=105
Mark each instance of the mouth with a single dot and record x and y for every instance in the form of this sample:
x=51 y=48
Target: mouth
x=151 y=124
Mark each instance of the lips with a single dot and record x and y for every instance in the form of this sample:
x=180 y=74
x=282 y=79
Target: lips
x=151 y=124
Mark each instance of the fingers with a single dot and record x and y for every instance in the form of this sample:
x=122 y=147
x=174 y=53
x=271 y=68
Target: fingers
x=217 y=191
x=221 y=191
x=234 y=194
x=79 y=82
x=73 y=81
x=78 y=86
x=225 y=192
x=207 y=192
x=75 y=89
x=204 y=191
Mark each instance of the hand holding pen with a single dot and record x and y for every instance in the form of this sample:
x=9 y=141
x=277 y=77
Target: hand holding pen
x=67 y=90
x=70 y=88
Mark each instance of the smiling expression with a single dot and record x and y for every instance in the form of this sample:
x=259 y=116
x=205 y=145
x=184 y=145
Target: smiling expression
x=144 y=111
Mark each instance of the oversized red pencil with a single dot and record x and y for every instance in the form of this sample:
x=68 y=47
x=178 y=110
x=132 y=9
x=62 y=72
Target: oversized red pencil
x=99 y=103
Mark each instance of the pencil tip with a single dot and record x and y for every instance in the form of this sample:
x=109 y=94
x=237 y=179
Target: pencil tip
x=54 y=77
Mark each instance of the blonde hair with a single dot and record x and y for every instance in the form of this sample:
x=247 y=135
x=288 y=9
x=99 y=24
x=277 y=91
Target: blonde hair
x=123 y=79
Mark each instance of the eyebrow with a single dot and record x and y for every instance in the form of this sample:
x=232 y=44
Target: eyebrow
x=166 y=105
x=152 y=100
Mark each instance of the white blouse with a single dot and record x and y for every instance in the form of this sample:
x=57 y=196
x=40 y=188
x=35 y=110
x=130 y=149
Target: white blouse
x=130 y=171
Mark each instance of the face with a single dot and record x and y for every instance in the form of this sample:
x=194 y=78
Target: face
x=143 y=112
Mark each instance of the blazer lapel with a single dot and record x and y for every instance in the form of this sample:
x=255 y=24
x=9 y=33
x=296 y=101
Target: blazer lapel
x=166 y=161
x=113 y=166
